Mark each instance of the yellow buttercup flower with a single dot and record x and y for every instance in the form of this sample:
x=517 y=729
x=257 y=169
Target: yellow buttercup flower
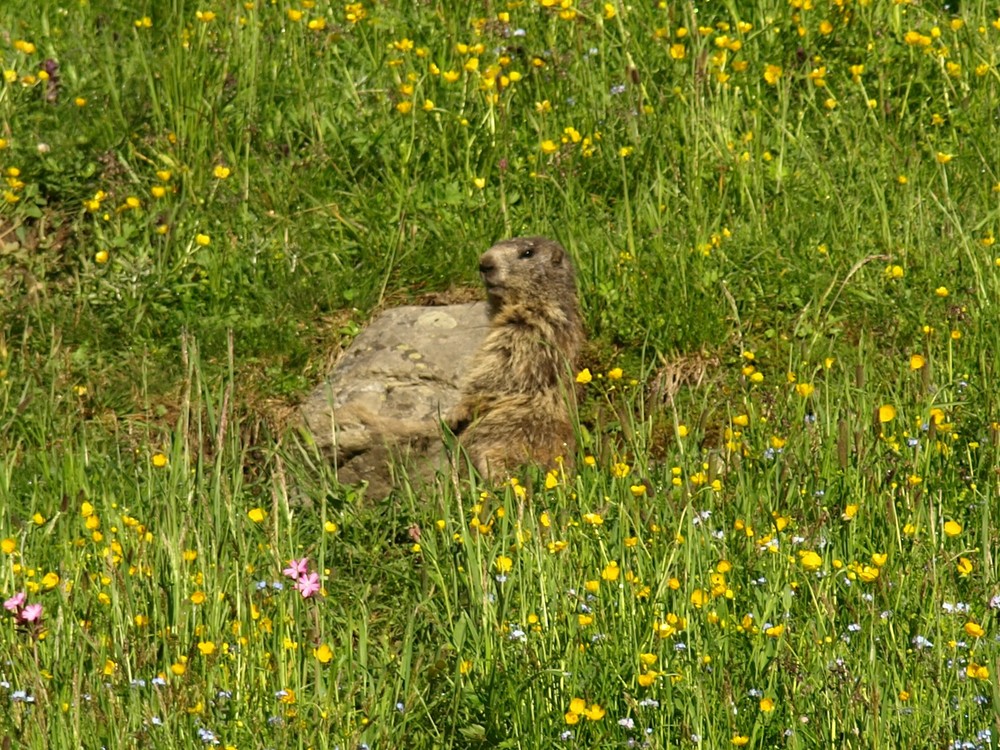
x=977 y=672
x=974 y=630
x=964 y=567
x=594 y=712
x=810 y=560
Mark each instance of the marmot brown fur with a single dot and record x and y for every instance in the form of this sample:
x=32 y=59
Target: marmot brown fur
x=516 y=401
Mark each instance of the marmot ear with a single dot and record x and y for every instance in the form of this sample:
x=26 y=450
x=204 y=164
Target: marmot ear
x=557 y=253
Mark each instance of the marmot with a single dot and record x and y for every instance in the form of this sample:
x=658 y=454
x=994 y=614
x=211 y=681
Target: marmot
x=516 y=401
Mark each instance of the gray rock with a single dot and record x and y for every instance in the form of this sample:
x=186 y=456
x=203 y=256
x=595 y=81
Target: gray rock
x=381 y=408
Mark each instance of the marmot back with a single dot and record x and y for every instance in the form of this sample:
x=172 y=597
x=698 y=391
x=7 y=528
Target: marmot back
x=518 y=398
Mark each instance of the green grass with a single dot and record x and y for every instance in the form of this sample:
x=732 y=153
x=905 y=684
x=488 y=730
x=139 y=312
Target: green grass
x=794 y=550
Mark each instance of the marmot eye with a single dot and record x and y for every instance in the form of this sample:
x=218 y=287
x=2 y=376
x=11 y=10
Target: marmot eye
x=528 y=252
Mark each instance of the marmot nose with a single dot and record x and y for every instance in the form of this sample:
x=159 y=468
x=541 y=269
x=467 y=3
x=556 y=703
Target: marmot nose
x=486 y=266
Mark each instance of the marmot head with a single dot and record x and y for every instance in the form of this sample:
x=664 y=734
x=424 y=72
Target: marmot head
x=526 y=268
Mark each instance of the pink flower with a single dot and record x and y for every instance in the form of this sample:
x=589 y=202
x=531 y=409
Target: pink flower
x=297 y=568
x=32 y=613
x=308 y=585
x=14 y=603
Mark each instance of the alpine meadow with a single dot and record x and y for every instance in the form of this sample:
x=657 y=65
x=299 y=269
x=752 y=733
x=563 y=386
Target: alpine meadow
x=781 y=524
